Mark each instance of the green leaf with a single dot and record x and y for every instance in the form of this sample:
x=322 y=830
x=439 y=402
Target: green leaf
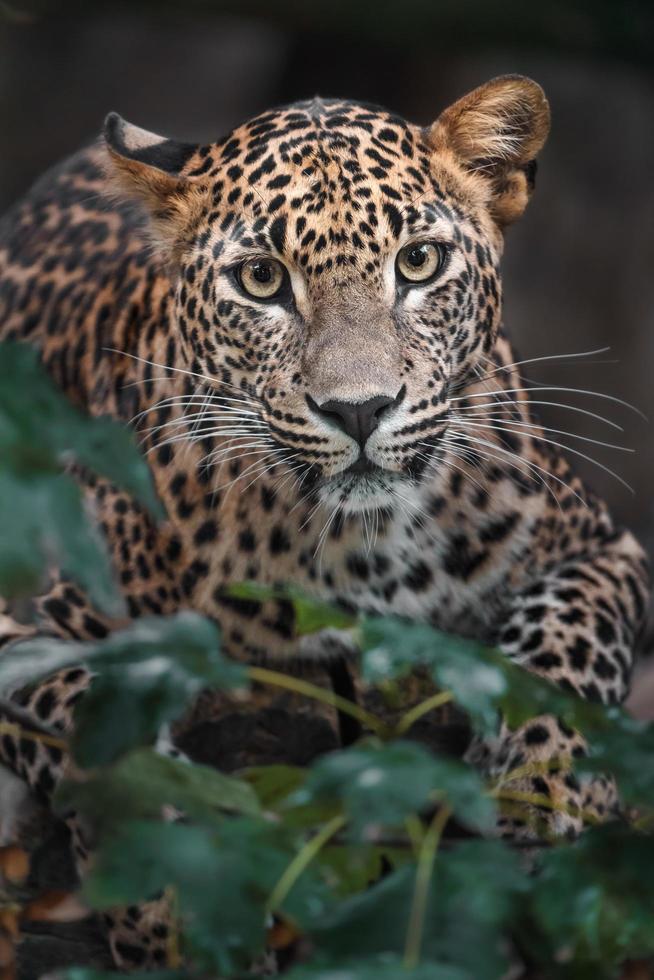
x=273 y=784
x=383 y=784
x=43 y=523
x=393 y=648
x=40 y=429
x=222 y=880
x=379 y=968
x=41 y=433
x=483 y=681
x=311 y=615
x=622 y=746
x=595 y=899
x=353 y=867
x=475 y=890
x=146 y=675
x=143 y=781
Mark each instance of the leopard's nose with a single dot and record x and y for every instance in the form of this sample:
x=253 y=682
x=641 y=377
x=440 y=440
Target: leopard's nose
x=356 y=419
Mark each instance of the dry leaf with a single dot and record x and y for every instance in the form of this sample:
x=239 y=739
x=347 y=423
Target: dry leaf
x=14 y=864
x=55 y=906
x=282 y=935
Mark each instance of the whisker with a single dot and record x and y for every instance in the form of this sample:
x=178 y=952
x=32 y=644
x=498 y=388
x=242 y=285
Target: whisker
x=549 y=357
x=473 y=420
x=572 y=408
x=434 y=457
x=576 y=391
x=519 y=461
x=212 y=382
x=569 y=449
x=198 y=418
x=198 y=437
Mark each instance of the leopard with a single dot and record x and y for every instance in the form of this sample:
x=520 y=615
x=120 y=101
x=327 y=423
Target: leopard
x=303 y=321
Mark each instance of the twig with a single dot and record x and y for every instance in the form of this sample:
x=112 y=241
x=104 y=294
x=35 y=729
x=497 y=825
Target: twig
x=436 y=701
x=424 y=872
x=301 y=861
x=299 y=686
x=22 y=724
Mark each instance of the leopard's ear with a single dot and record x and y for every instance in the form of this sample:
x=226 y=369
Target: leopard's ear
x=149 y=168
x=496 y=132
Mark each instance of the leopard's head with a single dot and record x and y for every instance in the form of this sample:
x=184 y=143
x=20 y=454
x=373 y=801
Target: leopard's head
x=336 y=273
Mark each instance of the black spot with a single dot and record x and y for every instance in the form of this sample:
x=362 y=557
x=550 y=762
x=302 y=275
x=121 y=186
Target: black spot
x=206 y=532
x=243 y=607
x=578 y=653
x=58 y=609
x=27 y=750
x=247 y=540
x=418 y=576
x=592 y=692
x=94 y=627
x=460 y=559
x=284 y=621
x=533 y=641
x=546 y=660
x=604 y=668
x=279 y=540
x=45 y=783
x=534 y=614
x=268 y=497
x=8 y=749
x=604 y=629
x=174 y=549
x=45 y=703
x=510 y=635
x=572 y=617
x=498 y=530
x=278 y=233
x=395 y=219
x=130 y=953
x=358 y=566
x=536 y=735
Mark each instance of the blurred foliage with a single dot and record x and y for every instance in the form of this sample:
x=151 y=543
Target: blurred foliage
x=345 y=865
x=42 y=512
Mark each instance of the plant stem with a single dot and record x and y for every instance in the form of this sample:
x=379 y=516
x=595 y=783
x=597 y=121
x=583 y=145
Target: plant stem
x=301 y=861
x=539 y=799
x=173 y=955
x=407 y=720
x=424 y=871
x=416 y=831
x=276 y=678
x=17 y=731
x=532 y=769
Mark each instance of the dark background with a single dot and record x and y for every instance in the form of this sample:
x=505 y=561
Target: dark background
x=579 y=268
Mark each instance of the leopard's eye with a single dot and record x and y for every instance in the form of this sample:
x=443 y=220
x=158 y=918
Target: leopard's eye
x=262 y=278
x=419 y=261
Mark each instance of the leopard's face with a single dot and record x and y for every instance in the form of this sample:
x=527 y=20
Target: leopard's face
x=337 y=277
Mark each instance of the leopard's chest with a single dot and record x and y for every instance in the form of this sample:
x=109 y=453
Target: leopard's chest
x=447 y=572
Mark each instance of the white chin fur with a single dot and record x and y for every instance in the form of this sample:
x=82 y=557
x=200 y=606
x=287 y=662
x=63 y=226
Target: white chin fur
x=358 y=493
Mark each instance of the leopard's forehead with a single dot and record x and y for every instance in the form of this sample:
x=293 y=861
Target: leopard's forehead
x=328 y=181
x=336 y=141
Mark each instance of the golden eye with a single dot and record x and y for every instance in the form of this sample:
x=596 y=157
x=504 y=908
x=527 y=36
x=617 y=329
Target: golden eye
x=262 y=278
x=419 y=261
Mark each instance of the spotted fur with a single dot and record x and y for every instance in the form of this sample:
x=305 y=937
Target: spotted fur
x=121 y=266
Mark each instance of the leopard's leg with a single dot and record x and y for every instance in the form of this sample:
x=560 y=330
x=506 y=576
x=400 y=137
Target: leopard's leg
x=137 y=935
x=577 y=627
